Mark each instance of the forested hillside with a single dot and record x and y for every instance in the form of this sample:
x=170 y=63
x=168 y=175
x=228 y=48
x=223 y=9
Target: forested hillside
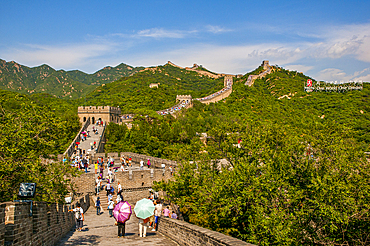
x=297 y=172
x=133 y=94
x=30 y=127
x=62 y=84
x=298 y=177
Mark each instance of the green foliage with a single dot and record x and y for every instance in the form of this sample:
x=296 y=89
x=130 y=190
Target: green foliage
x=29 y=130
x=276 y=194
x=63 y=84
x=133 y=94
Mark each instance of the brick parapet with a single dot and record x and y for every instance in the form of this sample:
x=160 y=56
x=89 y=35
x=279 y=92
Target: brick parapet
x=84 y=184
x=188 y=234
x=47 y=225
x=142 y=178
x=156 y=162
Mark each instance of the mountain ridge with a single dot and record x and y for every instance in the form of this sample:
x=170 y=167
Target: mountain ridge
x=59 y=83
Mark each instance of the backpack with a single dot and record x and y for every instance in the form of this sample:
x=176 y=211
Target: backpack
x=78 y=214
x=155 y=195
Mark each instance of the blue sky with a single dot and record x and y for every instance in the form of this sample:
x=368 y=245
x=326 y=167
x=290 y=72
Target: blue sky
x=327 y=40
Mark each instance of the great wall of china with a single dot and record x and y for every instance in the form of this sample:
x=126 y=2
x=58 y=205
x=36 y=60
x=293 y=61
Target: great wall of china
x=49 y=223
x=113 y=114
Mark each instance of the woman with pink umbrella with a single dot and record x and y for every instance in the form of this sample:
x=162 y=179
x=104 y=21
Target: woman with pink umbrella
x=122 y=212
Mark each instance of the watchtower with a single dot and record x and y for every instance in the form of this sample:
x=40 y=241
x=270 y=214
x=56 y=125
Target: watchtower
x=105 y=113
x=187 y=99
x=265 y=64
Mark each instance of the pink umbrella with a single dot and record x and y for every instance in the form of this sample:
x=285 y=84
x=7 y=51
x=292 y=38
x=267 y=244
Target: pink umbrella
x=122 y=212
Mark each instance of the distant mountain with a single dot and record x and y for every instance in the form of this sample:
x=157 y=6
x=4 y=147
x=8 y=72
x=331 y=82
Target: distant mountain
x=133 y=93
x=59 y=83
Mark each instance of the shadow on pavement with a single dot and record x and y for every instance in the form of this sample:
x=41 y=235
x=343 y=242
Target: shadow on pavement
x=82 y=240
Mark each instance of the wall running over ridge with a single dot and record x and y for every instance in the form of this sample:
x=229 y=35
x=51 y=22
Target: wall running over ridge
x=47 y=225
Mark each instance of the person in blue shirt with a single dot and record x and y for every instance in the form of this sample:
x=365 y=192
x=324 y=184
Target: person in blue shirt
x=97 y=205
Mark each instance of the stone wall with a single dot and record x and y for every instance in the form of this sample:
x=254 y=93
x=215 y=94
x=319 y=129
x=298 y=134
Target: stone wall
x=141 y=178
x=156 y=162
x=71 y=147
x=219 y=97
x=85 y=184
x=134 y=195
x=191 y=235
x=46 y=226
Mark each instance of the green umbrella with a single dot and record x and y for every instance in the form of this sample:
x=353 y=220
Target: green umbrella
x=144 y=208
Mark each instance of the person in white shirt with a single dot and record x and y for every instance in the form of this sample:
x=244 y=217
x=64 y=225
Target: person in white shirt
x=157 y=213
x=110 y=208
x=98 y=185
x=119 y=188
x=141 y=165
x=79 y=214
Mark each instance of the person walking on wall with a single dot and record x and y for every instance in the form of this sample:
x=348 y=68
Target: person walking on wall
x=143 y=225
x=79 y=214
x=149 y=163
x=96 y=167
x=157 y=213
x=110 y=207
x=97 y=205
x=141 y=165
x=166 y=212
x=98 y=185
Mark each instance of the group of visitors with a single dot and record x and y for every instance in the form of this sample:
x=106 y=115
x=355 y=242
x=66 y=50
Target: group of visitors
x=81 y=162
x=84 y=135
x=102 y=164
x=175 y=108
x=226 y=88
x=99 y=123
x=95 y=130
x=126 y=161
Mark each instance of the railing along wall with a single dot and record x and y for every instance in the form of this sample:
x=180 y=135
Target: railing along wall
x=69 y=151
x=188 y=234
x=100 y=145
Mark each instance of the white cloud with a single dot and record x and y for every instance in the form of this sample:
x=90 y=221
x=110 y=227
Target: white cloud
x=70 y=56
x=352 y=42
x=299 y=68
x=334 y=74
x=216 y=29
x=162 y=33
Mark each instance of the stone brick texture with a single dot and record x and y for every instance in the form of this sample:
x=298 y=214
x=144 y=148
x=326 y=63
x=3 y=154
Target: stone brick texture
x=85 y=184
x=191 y=235
x=46 y=226
x=156 y=162
x=142 y=178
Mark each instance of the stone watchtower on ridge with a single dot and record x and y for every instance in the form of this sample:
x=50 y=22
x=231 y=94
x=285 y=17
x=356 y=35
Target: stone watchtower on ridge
x=105 y=113
x=265 y=64
x=185 y=98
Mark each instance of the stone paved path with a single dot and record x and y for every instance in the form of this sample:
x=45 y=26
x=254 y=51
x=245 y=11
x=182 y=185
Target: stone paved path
x=93 y=137
x=100 y=230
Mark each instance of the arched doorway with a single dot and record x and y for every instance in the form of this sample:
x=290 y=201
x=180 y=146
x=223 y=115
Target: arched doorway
x=93 y=120
x=84 y=119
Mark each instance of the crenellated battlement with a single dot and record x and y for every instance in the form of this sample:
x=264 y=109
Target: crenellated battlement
x=104 y=113
x=99 y=109
x=183 y=97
